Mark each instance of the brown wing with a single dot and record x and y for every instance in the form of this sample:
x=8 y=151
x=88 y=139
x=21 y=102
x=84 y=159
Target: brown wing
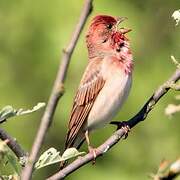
x=91 y=83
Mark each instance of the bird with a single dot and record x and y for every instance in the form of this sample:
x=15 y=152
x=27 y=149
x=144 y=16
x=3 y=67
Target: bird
x=106 y=81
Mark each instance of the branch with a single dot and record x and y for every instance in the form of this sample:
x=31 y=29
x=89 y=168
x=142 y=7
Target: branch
x=109 y=143
x=14 y=146
x=176 y=87
x=56 y=93
x=167 y=170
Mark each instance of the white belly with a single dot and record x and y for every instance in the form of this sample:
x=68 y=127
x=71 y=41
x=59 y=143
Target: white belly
x=109 y=100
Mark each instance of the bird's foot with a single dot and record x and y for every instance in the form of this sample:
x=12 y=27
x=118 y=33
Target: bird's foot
x=92 y=151
x=122 y=125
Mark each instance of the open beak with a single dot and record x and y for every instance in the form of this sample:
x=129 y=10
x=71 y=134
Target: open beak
x=122 y=30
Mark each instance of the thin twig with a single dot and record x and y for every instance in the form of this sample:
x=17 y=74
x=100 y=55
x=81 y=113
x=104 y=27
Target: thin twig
x=175 y=61
x=13 y=145
x=56 y=93
x=109 y=143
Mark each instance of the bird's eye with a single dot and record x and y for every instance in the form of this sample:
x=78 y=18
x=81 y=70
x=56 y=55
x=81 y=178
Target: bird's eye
x=105 y=40
x=109 y=26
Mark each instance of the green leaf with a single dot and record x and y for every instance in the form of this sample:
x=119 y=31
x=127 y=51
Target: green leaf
x=6 y=155
x=176 y=16
x=13 y=161
x=49 y=157
x=52 y=156
x=9 y=111
x=10 y=177
x=35 y=108
x=4 y=177
x=71 y=153
x=3 y=149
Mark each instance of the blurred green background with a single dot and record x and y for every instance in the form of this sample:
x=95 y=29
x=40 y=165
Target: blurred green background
x=32 y=36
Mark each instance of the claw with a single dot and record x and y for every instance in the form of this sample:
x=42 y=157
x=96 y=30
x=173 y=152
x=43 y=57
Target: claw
x=126 y=128
x=93 y=151
x=122 y=125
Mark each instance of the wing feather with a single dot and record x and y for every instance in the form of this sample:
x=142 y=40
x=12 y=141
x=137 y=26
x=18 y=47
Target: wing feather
x=91 y=83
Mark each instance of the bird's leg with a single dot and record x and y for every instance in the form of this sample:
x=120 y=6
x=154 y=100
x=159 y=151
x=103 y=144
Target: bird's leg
x=90 y=148
x=122 y=125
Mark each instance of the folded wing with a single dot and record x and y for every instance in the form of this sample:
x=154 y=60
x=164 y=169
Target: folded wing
x=92 y=82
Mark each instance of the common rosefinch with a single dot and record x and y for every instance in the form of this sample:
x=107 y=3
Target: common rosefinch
x=106 y=81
